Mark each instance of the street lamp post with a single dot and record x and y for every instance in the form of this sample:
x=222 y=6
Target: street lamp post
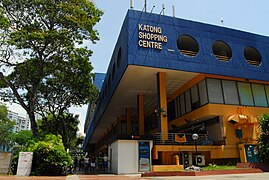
x=195 y=137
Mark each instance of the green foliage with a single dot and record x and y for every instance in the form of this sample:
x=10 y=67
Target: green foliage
x=22 y=137
x=218 y=167
x=39 y=44
x=65 y=125
x=263 y=139
x=14 y=162
x=212 y=166
x=6 y=126
x=49 y=156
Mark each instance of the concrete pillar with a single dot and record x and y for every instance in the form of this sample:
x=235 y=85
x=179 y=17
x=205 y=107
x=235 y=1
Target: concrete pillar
x=162 y=105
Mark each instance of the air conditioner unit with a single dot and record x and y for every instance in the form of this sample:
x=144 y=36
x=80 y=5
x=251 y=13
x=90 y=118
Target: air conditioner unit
x=187 y=159
x=200 y=160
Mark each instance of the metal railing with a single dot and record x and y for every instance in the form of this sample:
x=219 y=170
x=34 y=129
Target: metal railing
x=223 y=58
x=186 y=139
x=188 y=53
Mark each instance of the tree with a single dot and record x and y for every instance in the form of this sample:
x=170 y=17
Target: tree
x=22 y=137
x=65 y=125
x=49 y=156
x=263 y=139
x=45 y=69
x=6 y=126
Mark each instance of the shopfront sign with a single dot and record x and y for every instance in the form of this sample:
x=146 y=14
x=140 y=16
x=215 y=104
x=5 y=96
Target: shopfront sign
x=144 y=156
x=151 y=36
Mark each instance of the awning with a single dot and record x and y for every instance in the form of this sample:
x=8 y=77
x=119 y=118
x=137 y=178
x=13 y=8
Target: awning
x=242 y=119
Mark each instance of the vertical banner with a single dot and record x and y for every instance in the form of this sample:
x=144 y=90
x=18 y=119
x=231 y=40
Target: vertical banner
x=144 y=156
x=24 y=163
x=5 y=159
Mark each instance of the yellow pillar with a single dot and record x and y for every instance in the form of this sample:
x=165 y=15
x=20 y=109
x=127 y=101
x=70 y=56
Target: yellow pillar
x=176 y=159
x=242 y=153
x=128 y=121
x=162 y=104
x=141 y=113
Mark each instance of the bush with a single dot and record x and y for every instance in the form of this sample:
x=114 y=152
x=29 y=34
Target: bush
x=263 y=140
x=49 y=156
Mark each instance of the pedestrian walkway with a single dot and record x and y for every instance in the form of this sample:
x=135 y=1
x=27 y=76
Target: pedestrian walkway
x=85 y=175
x=259 y=176
x=103 y=177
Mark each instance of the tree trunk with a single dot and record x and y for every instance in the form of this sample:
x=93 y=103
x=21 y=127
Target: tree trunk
x=33 y=123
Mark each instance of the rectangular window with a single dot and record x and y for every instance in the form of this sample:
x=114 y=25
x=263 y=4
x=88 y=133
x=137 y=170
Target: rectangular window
x=202 y=92
x=171 y=110
x=245 y=94
x=177 y=106
x=188 y=100
x=267 y=92
x=259 y=95
x=214 y=91
x=195 y=103
x=182 y=104
x=230 y=92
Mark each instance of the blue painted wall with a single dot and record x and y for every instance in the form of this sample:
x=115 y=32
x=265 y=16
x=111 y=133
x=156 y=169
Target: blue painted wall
x=205 y=35
x=110 y=83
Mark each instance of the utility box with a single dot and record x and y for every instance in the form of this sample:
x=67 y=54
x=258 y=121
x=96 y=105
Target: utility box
x=130 y=156
x=200 y=160
x=248 y=153
x=187 y=158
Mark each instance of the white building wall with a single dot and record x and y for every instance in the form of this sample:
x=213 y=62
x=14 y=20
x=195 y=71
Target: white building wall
x=22 y=123
x=124 y=157
x=128 y=157
x=113 y=156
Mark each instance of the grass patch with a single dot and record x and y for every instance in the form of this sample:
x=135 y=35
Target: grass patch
x=219 y=167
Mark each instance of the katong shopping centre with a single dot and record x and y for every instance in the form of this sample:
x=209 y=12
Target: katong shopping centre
x=179 y=92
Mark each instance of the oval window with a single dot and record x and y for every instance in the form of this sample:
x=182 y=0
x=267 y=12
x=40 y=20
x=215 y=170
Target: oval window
x=253 y=56
x=222 y=51
x=187 y=45
x=119 y=58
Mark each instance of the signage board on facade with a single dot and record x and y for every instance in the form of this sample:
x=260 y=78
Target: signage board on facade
x=151 y=37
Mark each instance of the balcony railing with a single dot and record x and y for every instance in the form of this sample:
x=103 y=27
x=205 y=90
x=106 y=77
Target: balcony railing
x=186 y=139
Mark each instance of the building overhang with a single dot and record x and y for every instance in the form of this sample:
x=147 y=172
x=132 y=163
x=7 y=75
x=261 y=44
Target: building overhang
x=137 y=80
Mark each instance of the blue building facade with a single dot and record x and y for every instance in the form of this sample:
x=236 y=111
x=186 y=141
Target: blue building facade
x=169 y=75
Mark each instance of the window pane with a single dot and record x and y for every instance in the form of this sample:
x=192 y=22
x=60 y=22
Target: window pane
x=202 y=92
x=245 y=94
x=259 y=95
x=194 y=94
x=214 y=91
x=177 y=106
x=188 y=101
x=171 y=110
x=194 y=98
x=267 y=92
x=230 y=92
x=182 y=104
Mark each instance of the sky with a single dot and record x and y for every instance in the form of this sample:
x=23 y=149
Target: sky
x=246 y=15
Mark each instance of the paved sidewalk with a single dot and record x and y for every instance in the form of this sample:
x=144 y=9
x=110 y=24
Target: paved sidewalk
x=256 y=176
